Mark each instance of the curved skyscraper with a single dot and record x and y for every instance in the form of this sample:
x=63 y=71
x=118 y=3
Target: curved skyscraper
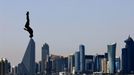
x=111 y=57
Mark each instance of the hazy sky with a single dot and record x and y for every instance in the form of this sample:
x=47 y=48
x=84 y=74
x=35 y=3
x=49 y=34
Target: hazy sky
x=64 y=24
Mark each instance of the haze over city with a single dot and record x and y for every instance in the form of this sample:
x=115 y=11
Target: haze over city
x=64 y=25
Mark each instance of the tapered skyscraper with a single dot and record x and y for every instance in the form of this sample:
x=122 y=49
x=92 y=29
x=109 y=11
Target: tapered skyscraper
x=27 y=66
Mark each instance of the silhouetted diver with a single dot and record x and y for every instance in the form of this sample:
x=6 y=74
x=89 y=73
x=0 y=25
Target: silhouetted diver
x=27 y=27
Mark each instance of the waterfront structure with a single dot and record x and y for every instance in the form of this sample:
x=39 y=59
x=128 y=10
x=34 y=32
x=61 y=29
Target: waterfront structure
x=27 y=66
x=111 y=57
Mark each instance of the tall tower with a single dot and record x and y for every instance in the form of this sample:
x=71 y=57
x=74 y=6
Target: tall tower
x=127 y=56
x=27 y=66
x=82 y=58
x=111 y=57
x=45 y=57
x=77 y=61
x=71 y=63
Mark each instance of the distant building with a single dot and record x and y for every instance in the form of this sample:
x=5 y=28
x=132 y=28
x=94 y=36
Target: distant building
x=111 y=57
x=82 y=58
x=106 y=56
x=77 y=62
x=45 y=58
x=124 y=61
x=71 y=63
x=117 y=65
x=104 y=65
x=89 y=63
x=38 y=67
x=4 y=66
x=128 y=57
x=14 y=70
x=58 y=64
x=97 y=63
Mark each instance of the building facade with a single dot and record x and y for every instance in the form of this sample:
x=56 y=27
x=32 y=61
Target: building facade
x=82 y=58
x=4 y=66
x=111 y=57
x=45 y=58
x=71 y=63
x=77 y=62
x=127 y=56
x=89 y=63
x=27 y=66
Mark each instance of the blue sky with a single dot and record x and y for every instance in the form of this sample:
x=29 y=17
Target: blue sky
x=64 y=24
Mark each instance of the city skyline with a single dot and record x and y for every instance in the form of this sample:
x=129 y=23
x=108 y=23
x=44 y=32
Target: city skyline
x=76 y=64
x=64 y=25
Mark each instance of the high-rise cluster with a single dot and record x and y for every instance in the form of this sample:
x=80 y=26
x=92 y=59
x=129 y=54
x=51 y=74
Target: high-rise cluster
x=76 y=64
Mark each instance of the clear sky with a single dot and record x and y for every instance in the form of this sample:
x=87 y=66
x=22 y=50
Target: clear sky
x=64 y=24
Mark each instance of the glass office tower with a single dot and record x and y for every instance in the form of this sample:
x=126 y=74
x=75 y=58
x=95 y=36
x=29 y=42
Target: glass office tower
x=111 y=57
x=82 y=58
x=128 y=56
x=77 y=61
x=44 y=57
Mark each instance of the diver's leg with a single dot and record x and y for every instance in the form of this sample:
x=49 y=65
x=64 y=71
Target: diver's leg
x=25 y=29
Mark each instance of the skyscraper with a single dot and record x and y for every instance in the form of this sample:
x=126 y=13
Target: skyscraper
x=71 y=63
x=27 y=66
x=82 y=58
x=111 y=57
x=97 y=63
x=127 y=56
x=104 y=65
x=45 y=57
x=4 y=66
x=59 y=64
x=77 y=62
x=124 y=61
x=89 y=63
x=117 y=65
